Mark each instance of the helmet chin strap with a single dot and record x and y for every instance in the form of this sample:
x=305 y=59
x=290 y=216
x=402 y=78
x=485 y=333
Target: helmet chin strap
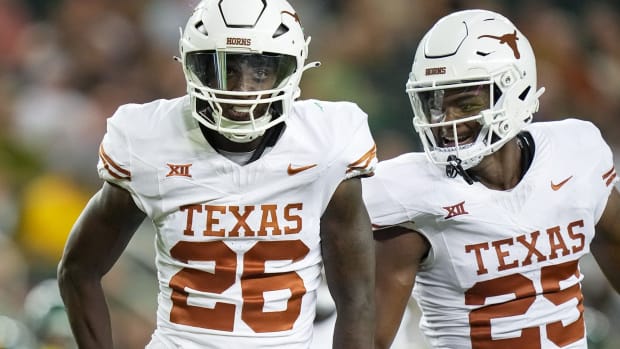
x=525 y=143
x=454 y=167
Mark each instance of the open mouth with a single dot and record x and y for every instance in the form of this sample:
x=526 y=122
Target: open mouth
x=241 y=113
x=237 y=113
x=241 y=109
x=451 y=142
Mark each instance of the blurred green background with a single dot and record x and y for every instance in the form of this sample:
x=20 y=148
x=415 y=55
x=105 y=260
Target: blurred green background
x=66 y=65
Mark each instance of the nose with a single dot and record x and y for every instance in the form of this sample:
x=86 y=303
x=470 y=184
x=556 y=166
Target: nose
x=242 y=84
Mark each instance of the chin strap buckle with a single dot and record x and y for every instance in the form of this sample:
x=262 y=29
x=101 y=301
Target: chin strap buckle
x=454 y=167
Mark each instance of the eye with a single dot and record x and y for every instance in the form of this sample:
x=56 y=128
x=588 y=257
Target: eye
x=471 y=106
x=231 y=71
x=261 y=74
x=468 y=107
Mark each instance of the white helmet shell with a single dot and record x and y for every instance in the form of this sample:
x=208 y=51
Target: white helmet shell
x=264 y=28
x=469 y=48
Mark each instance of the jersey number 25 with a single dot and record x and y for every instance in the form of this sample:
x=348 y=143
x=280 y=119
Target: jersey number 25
x=525 y=293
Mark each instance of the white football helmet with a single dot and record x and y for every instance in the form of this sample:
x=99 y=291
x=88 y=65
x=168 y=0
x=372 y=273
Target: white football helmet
x=475 y=52
x=262 y=39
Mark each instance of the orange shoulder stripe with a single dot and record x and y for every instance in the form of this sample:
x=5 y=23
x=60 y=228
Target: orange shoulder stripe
x=363 y=161
x=109 y=164
x=609 y=176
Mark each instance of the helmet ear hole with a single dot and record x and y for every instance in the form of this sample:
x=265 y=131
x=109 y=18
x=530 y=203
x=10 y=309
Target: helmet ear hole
x=497 y=93
x=282 y=29
x=525 y=92
x=200 y=26
x=276 y=109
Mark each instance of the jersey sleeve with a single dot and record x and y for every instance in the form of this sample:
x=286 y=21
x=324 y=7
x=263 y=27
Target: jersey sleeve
x=341 y=140
x=115 y=159
x=603 y=174
x=383 y=207
x=363 y=153
x=360 y=151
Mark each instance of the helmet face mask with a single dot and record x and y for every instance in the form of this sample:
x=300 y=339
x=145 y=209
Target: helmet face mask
x=451 y=119
x=472 y=86
x=242 y=65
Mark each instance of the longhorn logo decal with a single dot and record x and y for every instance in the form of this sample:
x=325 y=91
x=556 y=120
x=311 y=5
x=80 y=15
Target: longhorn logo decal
x=508 y=39
x=294 y=16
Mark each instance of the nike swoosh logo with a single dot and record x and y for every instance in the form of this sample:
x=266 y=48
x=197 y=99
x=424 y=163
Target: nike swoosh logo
x=295 y=170
x=557 y=187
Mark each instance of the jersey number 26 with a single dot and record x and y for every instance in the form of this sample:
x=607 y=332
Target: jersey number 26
x=254 y=282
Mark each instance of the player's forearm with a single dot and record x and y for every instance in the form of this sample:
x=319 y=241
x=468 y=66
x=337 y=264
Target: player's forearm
x=354 y=295
x=613 y=277
x=352 y=286
x=606 y=243
x=87 y=309
x=607 y=254
x=354 y=328
x=349 y=260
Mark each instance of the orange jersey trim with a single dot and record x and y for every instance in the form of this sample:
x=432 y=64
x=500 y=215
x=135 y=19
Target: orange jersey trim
x=609 y=176
x=109 y=164
x=363 y=161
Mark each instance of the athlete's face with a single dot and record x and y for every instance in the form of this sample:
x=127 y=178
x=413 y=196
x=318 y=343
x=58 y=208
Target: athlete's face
x=250 y=73
x=457 y=104
x=247 y=75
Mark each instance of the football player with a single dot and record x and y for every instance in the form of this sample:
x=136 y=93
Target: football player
x=250 y=193
x=488 y=225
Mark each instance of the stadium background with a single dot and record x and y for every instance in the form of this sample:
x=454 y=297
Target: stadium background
x=66 y=65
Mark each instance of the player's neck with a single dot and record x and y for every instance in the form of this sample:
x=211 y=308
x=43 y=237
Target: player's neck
x=501 y=170
x=257 y=146
x=219 y=142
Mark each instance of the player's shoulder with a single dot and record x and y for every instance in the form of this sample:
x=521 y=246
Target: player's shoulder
x=570 y=131
x=413 y=161
x=145 y=118
x=569 y=141
x=412 y=170
x=403 y=187
x=336 y=132
x=330 y=124
x=313 y=110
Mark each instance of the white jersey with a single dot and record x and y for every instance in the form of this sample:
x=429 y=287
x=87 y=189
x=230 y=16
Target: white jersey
x=503 y=267
x=237 y=247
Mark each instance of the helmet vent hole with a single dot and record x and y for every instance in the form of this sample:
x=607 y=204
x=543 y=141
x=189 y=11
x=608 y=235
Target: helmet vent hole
x=524 y=93
x=200 y=26
x=282 y=29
